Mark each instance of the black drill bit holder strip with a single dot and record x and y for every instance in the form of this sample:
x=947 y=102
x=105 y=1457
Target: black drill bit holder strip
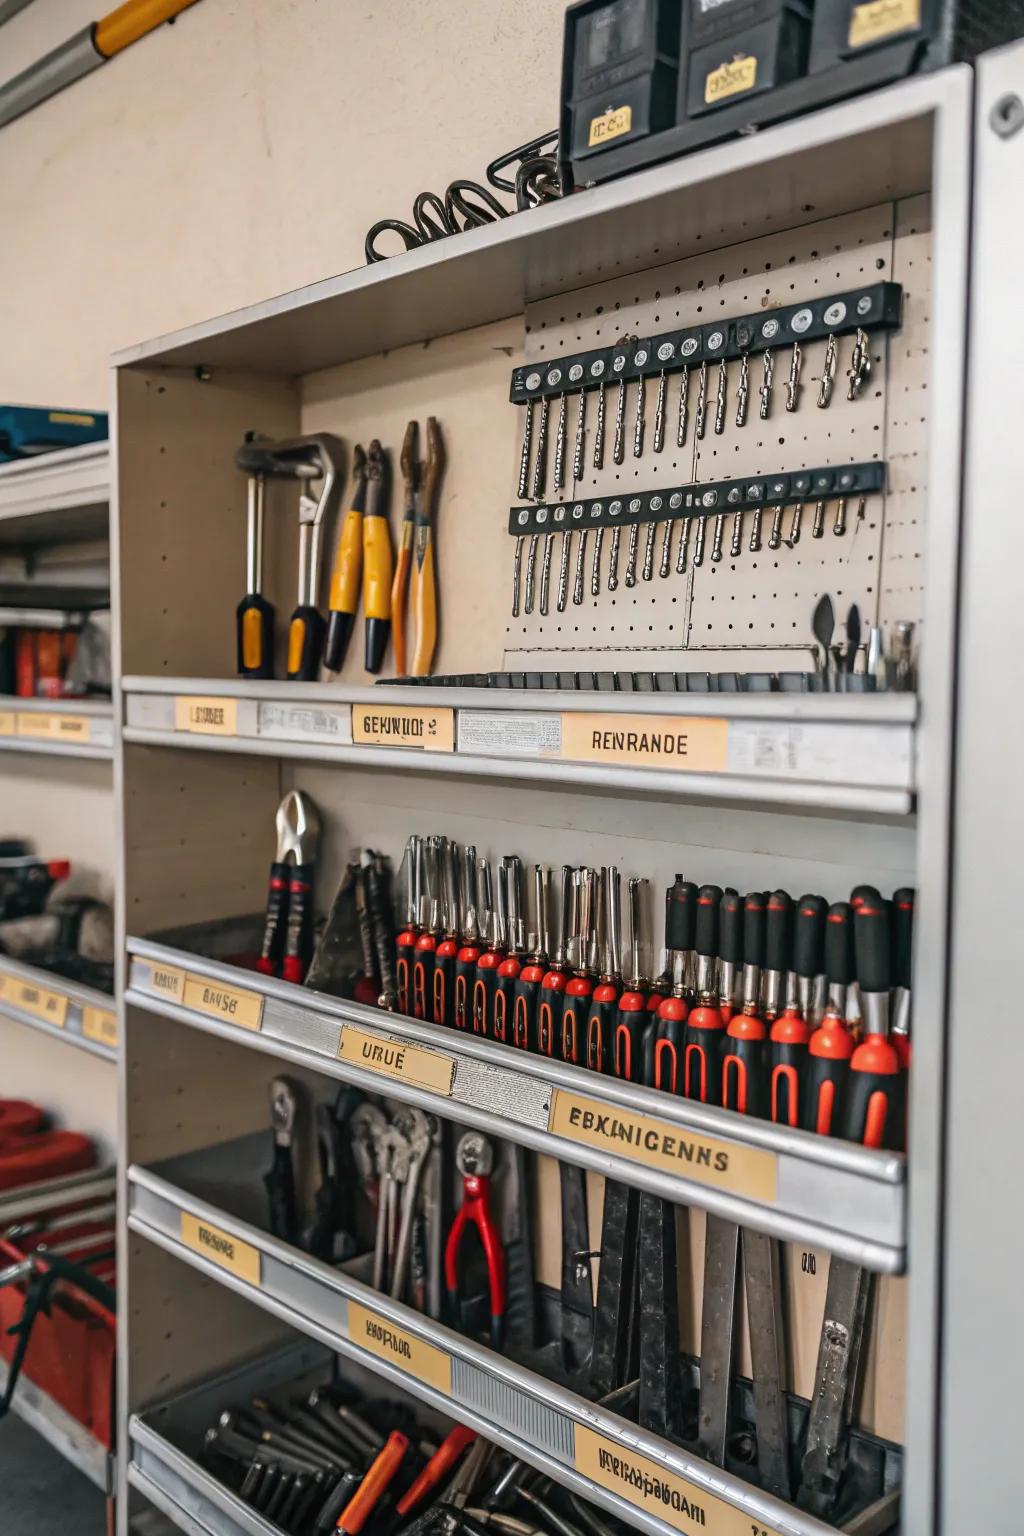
x=708 y=500
x=876 y=308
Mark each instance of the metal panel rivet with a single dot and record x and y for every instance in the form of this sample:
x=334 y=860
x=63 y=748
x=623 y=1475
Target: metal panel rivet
x=1007 y=115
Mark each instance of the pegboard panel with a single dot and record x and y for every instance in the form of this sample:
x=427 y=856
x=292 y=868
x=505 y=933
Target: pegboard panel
x=758 y=600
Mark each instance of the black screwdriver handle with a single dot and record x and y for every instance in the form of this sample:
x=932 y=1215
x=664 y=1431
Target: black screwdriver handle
x=298 y=932
x=405 y=948
x=504 y=999
x=702 y=1056
x=681 y=914
x=753 y=929
x=575 y=1011
x=255 y=637
x=443 y=987
x=903 y=936
x=875 y=1095
x=873 y=945
x=745 y=1066
x=305 y=644
x=272 y=947
x=485 y=987
x=627 y=1047
x=778 y=931
x=809 y=935
x=549 y=1013
x=709 y=905
x=601 y=1019
x=669 y=1044
x=465 y=975
x=525 y=998
x=730 y=928
x=839 y=956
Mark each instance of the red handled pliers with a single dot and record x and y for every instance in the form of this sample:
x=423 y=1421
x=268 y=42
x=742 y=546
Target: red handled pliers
x=474 y=1158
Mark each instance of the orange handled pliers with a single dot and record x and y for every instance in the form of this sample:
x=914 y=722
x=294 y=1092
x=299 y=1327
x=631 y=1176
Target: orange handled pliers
x=474 y=1158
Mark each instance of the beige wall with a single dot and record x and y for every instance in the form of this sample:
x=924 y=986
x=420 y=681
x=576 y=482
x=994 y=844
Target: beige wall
x=239 y=153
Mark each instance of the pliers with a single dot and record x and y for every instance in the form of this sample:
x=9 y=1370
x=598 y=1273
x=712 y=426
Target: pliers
x=287 y=947
x=415 y=565
x=474 y=1158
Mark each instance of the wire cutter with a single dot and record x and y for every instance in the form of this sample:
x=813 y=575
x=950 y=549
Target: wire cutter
x=287 y=946
x=474 y=1158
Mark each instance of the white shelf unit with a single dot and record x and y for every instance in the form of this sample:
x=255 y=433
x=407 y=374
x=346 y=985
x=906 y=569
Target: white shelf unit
x=196 y=809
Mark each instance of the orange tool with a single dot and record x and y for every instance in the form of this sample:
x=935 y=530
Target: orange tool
x=403 y=563
x=439 y=1465
x=348 y=565
x=373 y=1486
x=424 y=575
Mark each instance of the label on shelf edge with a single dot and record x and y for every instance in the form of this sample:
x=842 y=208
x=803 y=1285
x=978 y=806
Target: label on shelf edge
x=305 y=722
x=221 y=1248
x=404 y=725
x=54 y=727
x=100 y=1025
x=686 y=743
x=746 y=1171
x=218 y=1001
x=877 y=19
x=657 y=1491
x=51 y=1007
x=423 y=1361
x=206 y=716
x=392 y=1058
x=8 y=722
x=164 y=980
x=487 y=733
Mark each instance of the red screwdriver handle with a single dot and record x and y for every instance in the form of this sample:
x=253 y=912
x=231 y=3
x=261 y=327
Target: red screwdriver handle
x=874 y=1098
x=604 y=1007
x=505 y=997
x=525 y=1000
x=443 y=990
x=298 y=933
x=575 y=1010
x=405 y=949
x=422 y=967
x=272 y=947
x=465 y=975
x=667 y=1070
x=627 y=1046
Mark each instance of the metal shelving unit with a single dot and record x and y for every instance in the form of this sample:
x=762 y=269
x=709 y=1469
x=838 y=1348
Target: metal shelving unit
x=58 y=727
x=789 y=1184
x=69 y=489
x=60 y=1008
x=829 y=752
x=803 y=784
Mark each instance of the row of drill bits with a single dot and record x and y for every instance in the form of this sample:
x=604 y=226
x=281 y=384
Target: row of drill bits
x=533 y=460
x=533 y=592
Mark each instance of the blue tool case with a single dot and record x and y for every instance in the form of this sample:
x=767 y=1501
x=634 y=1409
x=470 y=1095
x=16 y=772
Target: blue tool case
x=26 y=430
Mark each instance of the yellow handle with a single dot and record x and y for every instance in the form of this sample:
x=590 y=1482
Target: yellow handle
x=133 y=20
x=378 y=563
x=347 y=565
x=399 y=593
x=424 y=606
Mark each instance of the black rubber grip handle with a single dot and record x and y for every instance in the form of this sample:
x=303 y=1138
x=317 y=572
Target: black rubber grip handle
x=255 y=637
x=601 y=1029
x=404 y=952
x=465 y=975
x=824 y=1096
x=875 y=1096
x=627 y=1046
x=442 y=992
x=572 y=1037
x=485 y=985
x=744 y=1075
x=862 y=893
x=667 y=1051
x=709 y=902
x=839 y=966
x=902 y=936
x=753 y=928
x=305 y=644
x=524 y=1009
x=382 y=923
x=702 y=1057
x=298 y=933
x=809 y=935
x=778 y=931
x=873 y=946
x=504 y=1005
x=681 y=914
x=786 y=1085
x=730 y=927
x=549 y=1020
x=272 y=946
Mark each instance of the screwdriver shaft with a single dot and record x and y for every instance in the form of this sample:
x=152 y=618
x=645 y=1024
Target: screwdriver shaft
x=638 y=420
x=743 y=391
x=578 y=444
x=539 y=464
x=563 y=571
x=684 y=405
x=631 y=553
x=775 y=537
x=619 y=441
x=524 y=457
x=737 y=535
x=716 y=542
x=666 y=548
x=684 y=544
x=559 y=473
x=545 y=573
x=613 y=558
x=767 y=380
x=581 y=556
x=659 y=413
x=700 y=415
x=648 y=567
x=517 y=563
x=595 y=569
x=599 y=430
x=531 y=568
x=720 y=397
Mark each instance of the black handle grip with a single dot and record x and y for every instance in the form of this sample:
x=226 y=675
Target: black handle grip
x=862 y=893
x=339 y=633
x=753 y=928
x=778 y=931
x=442 y=990
x=255 y=637
x=839 y=956
x=826 y=1076
x=702 y=1056
x=744 y=1070
x=282 y=1208
x=730 y=927
x=709 y=903
x=874 y=1112
x=485 y=986
x=572 y=1038
x=680 y=915
x=298 y=933
x=465 y=975
x=405 y=948
x=809 y=936
x=601 y=1018
x=668 y=1045
x=305 y=644
x=549 y=1017
x=382 y=923
x=787 y=1055
x=627 y=1047
x=903 y=936
x=272 y=947
x=872 y=939
x=525 y=997
x=423 y=976
x=504 y=1001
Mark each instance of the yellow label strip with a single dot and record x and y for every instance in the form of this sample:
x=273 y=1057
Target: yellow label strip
x=54 y=727
x=392 y=1058
x=100 y=1025
x=221 y=1248
x=379 y=1337
x=206 y=716
x=217 y=1001
x=745 y=1171
x=687 y=744
x=650 y=1487
x=40 y=1002
x=166 y=981
x=404 y=725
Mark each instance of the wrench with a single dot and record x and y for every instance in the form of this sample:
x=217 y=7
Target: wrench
x=416 y=1130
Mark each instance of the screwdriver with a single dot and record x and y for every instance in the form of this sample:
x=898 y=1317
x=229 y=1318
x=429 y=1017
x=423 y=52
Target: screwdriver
x=631 y=1015
x=790 y=1032
x=469 y=951
x=699 y=1074
x=672 y=1011
x=443 y=992
x=730 y=950
x=746 y=1035
x=831 y=1045
x=378 y=559
x=485 y=980
x=344 y=596
x=778 y=943
x=553 y=984
x=405 y=942
x=526 y=994
x=580 y=986
x=604 y=1002
x=255 y=613
x=903 y=956
x=429 y=920
x=873 y=1104
x=511 y=966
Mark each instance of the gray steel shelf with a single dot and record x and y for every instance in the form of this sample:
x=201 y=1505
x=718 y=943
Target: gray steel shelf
x=34 y=725
x=88 y=1015
x=539 y=1421
x=826 y=751
x=793 y=1185
x=65 y=1434
x=48 y=484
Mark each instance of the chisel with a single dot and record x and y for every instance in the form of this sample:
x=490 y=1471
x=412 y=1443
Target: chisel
x=555 y=979
x=469 y=950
